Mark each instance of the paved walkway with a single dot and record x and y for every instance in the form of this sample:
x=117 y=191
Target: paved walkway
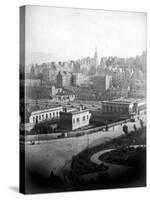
x=95 y=157
x=114 y=169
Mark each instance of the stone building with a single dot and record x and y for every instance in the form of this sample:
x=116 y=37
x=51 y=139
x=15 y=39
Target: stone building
x=86 y=92
x=32 y=82
x=64 y=79
x=118 y=109
x=36 y=114
x=114 y=110
x=78 y=79
x=101 y=83
x=88 y=66
x=38 y=70
x=74 y=119
x=49 y=74
x=64 y=96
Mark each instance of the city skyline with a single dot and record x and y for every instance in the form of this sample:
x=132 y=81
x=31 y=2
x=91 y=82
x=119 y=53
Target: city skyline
x=61 y=34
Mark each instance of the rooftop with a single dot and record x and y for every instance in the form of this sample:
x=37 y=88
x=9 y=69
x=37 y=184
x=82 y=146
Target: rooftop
x=43 y=108
x=117 y=102
x=65 y=92
x=75 y=110
x=128 y=100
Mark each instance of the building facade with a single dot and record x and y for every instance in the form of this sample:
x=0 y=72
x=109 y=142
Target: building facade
x=39 y=115
x=49 y=74
x=78 y=79
x=114 y=110
x=121 y=107
x=101 y=83
x=64 y=79
x=64 y=96
x=72 y=120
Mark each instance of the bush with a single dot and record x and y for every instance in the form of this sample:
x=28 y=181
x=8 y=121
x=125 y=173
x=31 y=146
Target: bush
x=41 y=128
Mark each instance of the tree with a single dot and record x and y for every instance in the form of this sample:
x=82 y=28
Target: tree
x=134 y=126
x=141 y=123
x=125 y=129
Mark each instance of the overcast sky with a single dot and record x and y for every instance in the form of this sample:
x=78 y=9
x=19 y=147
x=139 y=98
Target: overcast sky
x=68 y=34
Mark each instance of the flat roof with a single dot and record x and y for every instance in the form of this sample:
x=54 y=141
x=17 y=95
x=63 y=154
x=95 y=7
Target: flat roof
x=129 y=99
x=65 y=92
x=117 y=102
x=124 y=100
x=75 y=111
x=49 y=107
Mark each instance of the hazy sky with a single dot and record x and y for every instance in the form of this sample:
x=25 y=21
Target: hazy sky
x=63 y=33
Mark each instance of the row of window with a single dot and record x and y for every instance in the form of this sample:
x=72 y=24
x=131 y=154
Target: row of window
x=65 y=97
x=85 y=62
x=115 y=109
x=77 y=120
x=45 y=116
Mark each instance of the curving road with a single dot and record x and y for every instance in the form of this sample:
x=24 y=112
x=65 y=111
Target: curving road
x=114 y=169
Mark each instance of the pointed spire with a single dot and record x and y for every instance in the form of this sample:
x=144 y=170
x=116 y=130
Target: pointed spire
x=96 y=59
x=95 y=55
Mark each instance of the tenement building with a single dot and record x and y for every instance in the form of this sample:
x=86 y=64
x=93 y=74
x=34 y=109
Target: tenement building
x=74 y=119
x=101 y=82
x=49 y=74
x=88 y=65
x=64 y=78
x=78 y=79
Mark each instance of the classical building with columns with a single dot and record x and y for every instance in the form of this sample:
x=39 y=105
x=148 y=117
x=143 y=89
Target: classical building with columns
x=114 y=110
x=37 y=115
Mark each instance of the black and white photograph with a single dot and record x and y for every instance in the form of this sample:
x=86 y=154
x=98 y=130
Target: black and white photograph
x=83 y=107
